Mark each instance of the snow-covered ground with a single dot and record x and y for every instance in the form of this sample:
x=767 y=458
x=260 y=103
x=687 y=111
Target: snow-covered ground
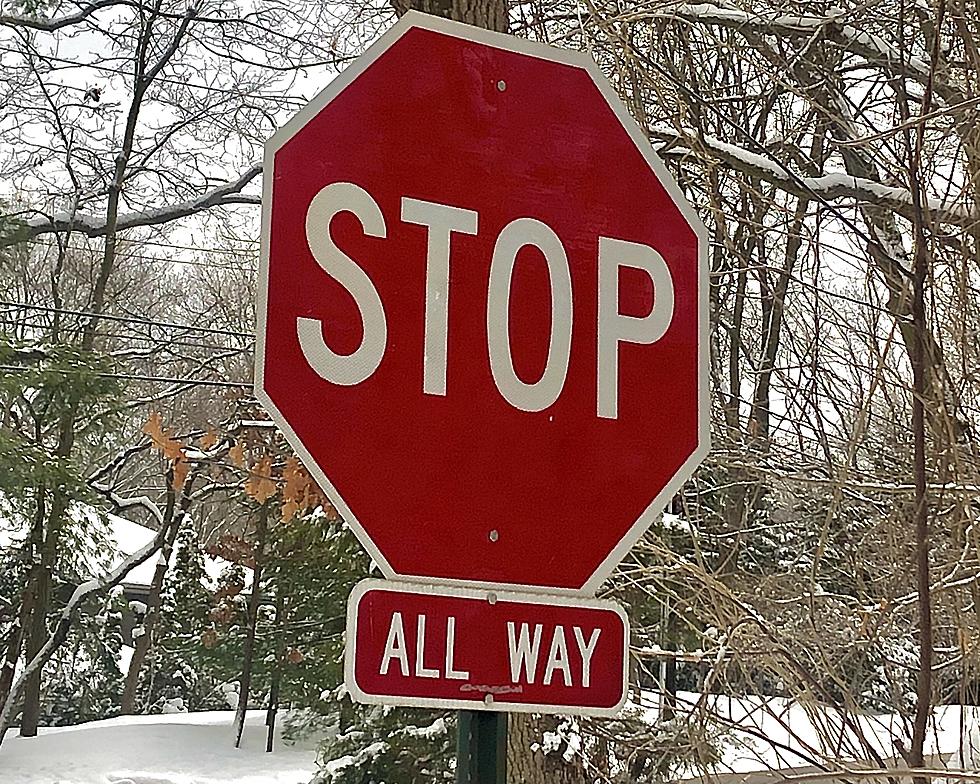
x=759 y=739
x=179 y=748
x=760 y=735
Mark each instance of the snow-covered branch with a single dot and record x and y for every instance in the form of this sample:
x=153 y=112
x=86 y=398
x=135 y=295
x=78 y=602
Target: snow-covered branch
x=223 y=195
x=122 y=503
x=833 y=26
x=27 y=356
x=827 y=186
x=58 y=22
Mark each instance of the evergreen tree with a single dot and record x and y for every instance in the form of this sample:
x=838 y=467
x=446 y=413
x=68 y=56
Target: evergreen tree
x=314 y=564
x=85 y=682
x=44 y=488
x=384 y=744
x=176 y=676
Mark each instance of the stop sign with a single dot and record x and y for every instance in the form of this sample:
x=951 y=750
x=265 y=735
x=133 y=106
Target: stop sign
x=482 y=318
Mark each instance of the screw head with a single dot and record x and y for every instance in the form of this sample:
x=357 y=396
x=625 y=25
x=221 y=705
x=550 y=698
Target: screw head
x=501 y=85
x=494 y=535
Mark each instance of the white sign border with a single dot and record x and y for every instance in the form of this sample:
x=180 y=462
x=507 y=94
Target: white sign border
x=411 y=20
x=502 y=595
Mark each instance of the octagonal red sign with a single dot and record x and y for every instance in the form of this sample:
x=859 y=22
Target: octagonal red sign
x=482 y=318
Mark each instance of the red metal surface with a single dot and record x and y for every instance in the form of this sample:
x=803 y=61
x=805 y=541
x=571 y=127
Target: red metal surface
x=428 y=477
x=479 y=653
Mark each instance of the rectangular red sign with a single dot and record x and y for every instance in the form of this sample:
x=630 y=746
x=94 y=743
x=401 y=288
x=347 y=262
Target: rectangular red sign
x=481 y=649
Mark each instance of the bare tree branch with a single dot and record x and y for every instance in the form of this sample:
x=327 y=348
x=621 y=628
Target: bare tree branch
x=50 y=25
x=828 y=186
x=223 y=195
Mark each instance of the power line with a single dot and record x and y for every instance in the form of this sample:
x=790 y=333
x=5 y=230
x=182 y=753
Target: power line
x=177 y=246
x=247 y=266
x=125 y=319
x=203 y=382
x=163 y=343
x=174 y=245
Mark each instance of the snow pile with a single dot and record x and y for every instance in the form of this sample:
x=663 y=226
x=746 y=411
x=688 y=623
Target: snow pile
x=176 y=748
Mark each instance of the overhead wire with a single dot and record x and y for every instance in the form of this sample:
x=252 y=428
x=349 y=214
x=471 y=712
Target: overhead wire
x=128 y=319
x=248 y=260
x=125 y=253
x=164 y=342
x=141 y=377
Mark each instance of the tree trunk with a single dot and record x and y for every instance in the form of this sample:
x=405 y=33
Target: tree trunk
x=15 y=642
x=142 y=645
x=528 y=764
x=248 y=655
x=489 y=14
x=270 y=716
x=37 y=628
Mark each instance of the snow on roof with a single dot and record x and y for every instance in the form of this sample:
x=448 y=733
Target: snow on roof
x=129 y=537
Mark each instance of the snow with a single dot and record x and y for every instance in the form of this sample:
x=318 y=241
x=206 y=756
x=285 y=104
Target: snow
x=771 y=733
x=335 y=766
x=131 y=536
x=176 y=748
x=673 y=522
x=830 y=186
x=756 y=734
x=226 y=193
x=867 y=44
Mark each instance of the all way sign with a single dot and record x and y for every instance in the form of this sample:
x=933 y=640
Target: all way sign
x=436 y=646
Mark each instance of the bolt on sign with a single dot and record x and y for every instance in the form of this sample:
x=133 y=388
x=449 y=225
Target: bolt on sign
x=482 y=324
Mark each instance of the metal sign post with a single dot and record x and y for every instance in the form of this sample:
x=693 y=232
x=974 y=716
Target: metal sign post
x=481 y=748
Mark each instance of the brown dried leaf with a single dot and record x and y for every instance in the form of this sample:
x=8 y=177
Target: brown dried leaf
x=295 y=480
x=289 y=510
x=209 y=439
x=161 y=438
x=313 y=496
x=154 y=427
x=237 y=455
x=209 y=638
x=180 y=469
x=260 y=485
x=172 y=450
x=299 y=491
